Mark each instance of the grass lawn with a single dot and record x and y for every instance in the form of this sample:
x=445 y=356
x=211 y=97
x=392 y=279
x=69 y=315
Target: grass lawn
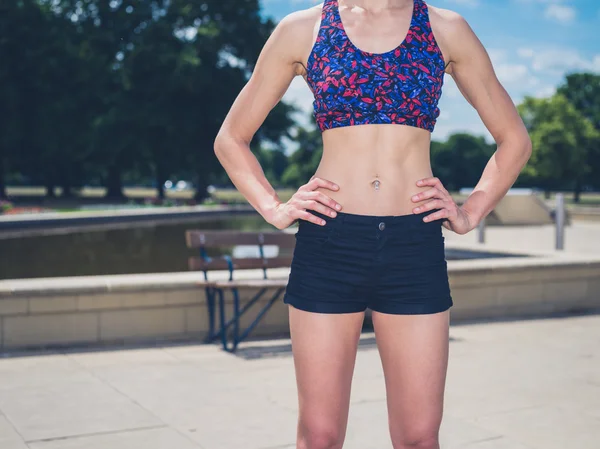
x=88 y=194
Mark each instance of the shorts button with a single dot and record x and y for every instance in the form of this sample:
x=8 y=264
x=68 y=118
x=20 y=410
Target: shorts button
x=381 y=226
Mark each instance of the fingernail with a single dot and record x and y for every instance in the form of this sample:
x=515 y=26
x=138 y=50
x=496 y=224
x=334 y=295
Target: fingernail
x=417 y=209
x=323 y=222
x=332 y=213
x=335 y=186
x=415 y=198
x=338 y=207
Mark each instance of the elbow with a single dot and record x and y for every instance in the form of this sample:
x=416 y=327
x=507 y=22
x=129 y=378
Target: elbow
x=227 y=147
x=527 y=148
x=219 y=144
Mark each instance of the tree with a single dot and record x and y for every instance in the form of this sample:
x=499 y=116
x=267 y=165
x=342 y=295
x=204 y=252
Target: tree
x=561 y=138
x=304 y=161
x=98 y=89
x=460 y=160
x=42 y=115
x=583 y=92
x=274 y=163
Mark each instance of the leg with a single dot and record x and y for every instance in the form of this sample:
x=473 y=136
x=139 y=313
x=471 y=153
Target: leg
x=324 y=346
x=414 y=355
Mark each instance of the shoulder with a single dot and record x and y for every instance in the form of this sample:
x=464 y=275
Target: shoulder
x=446 y=21
x=452 y=31
x=300 y=22
x=294 y=34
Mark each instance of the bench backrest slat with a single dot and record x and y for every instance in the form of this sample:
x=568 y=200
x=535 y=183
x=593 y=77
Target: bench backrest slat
x=212 y=239
x=203 y=239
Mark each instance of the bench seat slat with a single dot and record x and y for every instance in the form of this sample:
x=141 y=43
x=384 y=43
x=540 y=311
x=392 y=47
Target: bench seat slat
x=252 y=283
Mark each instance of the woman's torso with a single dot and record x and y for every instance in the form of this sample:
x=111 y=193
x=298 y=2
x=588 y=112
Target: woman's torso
x=375 y=165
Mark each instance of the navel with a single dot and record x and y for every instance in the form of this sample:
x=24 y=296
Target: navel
x=376 y=183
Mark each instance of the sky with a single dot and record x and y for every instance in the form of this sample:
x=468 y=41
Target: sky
x=532 y=45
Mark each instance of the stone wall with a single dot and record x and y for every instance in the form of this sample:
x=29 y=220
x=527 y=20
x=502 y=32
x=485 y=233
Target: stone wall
x=148 y=308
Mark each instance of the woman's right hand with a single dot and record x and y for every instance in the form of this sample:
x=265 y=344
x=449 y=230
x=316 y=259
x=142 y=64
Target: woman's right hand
x=306 y=198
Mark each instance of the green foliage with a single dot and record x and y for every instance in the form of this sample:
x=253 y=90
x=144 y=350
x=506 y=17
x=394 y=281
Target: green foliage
x=583 y=92
x=105 y=92
x=562 y=139
x=96 y=89
x=304 y=161
x=460 y=160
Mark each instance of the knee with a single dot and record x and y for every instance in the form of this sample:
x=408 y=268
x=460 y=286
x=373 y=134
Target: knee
x=320 y=436
x=425 y=440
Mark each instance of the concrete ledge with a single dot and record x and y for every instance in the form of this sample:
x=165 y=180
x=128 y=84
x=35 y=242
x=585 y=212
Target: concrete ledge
x=145 y=308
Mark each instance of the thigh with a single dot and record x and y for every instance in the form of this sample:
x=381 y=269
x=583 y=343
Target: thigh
x=414 y=355
x=324 y=347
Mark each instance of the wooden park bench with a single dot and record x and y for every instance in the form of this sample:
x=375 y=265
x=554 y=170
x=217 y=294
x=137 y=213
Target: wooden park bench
x=205 y=240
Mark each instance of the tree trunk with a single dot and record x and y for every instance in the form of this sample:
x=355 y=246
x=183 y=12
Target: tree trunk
x=67 y=188
x=161 y=162
x=201 y=186
x=577 y=192
x=114 y=184
x=2 y=178
x=49 y=184
x=160 y=181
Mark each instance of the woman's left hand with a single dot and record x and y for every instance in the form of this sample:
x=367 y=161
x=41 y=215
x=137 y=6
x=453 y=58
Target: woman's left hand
x=455 y=218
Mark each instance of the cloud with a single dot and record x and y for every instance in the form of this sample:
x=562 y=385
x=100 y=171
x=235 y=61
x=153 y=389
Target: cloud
x=560 y=13
x=560 y=61
x=512 y=73
x=545 y=92
x=556 y=10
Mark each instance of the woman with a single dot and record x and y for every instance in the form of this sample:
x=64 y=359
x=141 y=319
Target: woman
x=370 y=219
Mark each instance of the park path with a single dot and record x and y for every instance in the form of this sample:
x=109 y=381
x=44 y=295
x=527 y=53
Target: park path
x=532 y=384
x=580 y=237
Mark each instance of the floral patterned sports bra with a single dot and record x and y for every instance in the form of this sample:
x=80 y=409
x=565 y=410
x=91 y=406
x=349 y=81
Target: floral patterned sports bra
x=355 y=87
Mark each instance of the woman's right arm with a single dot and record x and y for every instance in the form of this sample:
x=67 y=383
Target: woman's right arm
x=278 y=63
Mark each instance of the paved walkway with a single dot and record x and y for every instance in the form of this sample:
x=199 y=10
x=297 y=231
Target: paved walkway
x=580 y=237
x=511 y=385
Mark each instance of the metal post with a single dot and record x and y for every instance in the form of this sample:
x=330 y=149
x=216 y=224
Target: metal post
x=481 y=231
x=560 y=221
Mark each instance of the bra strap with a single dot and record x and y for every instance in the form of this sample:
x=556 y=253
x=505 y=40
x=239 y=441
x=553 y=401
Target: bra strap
x=329 y=11
x=421 y=15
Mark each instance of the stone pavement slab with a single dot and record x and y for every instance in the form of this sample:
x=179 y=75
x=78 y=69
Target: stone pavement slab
x=9 y=438
x=161 y=438
x=532 y=384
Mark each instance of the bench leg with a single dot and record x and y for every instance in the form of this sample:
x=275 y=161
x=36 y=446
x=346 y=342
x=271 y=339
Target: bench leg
x=237 y=314
x=263 y=311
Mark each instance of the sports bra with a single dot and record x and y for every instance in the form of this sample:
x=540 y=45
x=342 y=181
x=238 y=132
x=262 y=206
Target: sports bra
x=354 y=87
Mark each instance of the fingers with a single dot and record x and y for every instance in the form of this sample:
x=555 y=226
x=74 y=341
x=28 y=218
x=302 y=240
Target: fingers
x=322 y=198
x=308 y=198
x=430 y=205
x=439 y=215
x=305 y=215
x=315 y=183
x=316 y=206
x=431 y=193
x=432 y=182
x=439 y=199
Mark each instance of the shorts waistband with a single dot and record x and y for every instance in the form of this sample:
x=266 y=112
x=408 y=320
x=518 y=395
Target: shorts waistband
x=367 y=221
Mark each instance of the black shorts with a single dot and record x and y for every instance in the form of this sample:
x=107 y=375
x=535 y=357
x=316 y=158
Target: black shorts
x=390 y=264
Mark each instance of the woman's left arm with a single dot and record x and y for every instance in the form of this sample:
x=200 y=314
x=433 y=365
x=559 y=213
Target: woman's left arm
x=471 y=68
